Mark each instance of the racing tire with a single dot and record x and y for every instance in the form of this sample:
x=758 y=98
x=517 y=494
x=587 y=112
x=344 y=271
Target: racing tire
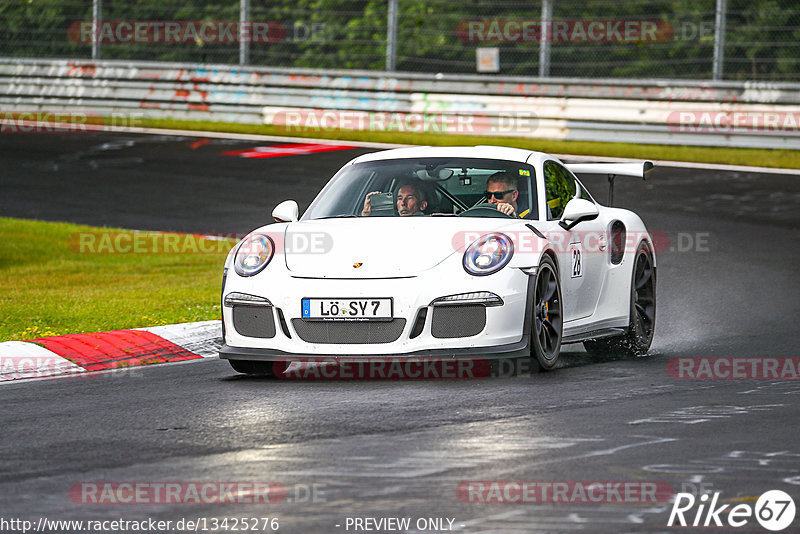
x=547 y=322
x=639 y=335
x=253 y=368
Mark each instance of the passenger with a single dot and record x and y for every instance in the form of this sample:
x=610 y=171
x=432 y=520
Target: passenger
x=503 y=191
x=410 y=201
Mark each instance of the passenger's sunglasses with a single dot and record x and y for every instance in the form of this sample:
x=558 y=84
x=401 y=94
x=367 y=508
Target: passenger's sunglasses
x=498 y=195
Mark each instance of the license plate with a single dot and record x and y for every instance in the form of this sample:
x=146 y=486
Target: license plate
x=376 y=309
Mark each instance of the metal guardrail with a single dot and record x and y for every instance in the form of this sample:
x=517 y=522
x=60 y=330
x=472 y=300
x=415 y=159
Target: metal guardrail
x=646 y=111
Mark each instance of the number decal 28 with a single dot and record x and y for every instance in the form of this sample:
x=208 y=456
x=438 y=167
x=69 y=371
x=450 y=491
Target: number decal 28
x=577 y=268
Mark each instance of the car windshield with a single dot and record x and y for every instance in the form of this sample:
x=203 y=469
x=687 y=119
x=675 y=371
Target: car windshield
x=428 y=187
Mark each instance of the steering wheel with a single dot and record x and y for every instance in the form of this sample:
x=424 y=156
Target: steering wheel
x=485 y=210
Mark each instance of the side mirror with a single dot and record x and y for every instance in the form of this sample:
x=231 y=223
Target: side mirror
x=286 y=211
x=578 y=210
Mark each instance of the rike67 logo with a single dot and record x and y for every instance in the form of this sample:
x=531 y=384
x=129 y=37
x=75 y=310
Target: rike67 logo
x=774 y=510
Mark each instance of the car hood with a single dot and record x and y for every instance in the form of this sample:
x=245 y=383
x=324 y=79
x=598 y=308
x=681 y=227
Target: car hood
x=385 y=247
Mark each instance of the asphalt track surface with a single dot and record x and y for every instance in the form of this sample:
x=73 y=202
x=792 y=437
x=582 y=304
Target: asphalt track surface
x=727 y=286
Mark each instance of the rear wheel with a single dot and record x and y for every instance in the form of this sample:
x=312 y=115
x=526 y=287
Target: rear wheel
x=548 y=319
x=639 y=336
x=254 y=368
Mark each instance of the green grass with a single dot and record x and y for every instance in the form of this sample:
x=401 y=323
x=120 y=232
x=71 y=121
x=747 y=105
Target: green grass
x=50 y=287
x=734 y=156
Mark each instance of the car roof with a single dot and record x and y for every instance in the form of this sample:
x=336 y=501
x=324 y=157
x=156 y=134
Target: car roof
x=481 y=151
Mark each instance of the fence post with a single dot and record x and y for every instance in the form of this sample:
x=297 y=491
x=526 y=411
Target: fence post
x=391 y=36
x=719 y=39
x=244 y=32
x=546 y=29
x=97 y=20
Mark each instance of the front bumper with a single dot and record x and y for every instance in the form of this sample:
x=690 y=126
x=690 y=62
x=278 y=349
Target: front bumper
x=513 y=350
x=505 y=333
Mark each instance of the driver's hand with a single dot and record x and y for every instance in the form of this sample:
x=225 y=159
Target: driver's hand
x=367 y=206
x=506 y=208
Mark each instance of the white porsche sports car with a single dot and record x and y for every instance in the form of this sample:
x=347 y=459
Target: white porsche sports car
x=445 y=252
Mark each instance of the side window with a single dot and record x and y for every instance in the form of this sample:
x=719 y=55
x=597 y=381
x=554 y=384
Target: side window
x=560 y=187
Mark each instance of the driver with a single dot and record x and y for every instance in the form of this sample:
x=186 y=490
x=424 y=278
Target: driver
x=502 y=190
x=410 y=201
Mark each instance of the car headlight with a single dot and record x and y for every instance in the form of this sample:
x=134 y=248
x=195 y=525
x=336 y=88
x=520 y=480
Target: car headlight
x=253 y=254
x=488 y=254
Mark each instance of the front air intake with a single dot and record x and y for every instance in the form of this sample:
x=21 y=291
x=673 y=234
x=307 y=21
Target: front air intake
x=349 y=332
x=458 y=321
x=254 y=321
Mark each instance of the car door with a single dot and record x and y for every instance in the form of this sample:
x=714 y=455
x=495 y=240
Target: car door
x=582 y=249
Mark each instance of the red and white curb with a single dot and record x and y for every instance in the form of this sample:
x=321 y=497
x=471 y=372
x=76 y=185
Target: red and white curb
x=74 y=354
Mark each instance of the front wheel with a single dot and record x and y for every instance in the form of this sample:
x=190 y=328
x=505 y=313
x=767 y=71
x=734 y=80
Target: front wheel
x=639 y=336
x=548 y=319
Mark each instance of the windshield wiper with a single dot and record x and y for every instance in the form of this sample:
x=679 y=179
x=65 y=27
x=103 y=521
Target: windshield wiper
x=336 y=217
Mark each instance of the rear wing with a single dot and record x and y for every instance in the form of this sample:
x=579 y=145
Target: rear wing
x=636 y=170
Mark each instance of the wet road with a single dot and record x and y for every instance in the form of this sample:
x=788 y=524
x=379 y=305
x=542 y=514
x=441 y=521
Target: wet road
x=353 y=449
